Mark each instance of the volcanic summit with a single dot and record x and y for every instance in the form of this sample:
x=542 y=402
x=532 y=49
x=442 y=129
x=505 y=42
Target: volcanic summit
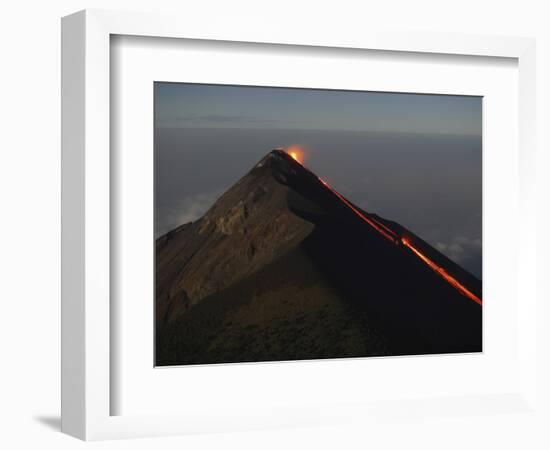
x=283 y=267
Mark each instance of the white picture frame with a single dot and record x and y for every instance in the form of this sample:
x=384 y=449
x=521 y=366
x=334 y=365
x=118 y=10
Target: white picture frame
x=86 y=221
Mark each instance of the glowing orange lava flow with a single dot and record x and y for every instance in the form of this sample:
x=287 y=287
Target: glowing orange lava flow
x=442 y=272
x=382 y=229
x=394 y=238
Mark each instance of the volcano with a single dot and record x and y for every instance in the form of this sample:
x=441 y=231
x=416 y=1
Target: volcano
x=283 y=267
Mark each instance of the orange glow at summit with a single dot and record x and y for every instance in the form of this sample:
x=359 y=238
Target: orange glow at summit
x=296 y=153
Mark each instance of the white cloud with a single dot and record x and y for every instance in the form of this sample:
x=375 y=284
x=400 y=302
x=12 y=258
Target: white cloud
x=187 y=210
x=459 y=248
x=456 y=248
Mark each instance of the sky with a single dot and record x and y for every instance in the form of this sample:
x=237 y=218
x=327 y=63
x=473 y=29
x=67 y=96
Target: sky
x=412 y=158
x=215 y=106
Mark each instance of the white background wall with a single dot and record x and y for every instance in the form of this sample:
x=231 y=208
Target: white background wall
x=30 y=198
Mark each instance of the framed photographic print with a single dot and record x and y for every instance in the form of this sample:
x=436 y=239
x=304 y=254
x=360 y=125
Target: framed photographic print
x=265 y=230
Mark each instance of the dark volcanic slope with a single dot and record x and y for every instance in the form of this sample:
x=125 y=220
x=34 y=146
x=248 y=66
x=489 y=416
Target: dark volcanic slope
x=249 y=226
x=281 y=268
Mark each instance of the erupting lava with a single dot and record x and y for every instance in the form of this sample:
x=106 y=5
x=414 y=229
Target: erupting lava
x=442 y=272
x=382 y=229
x=296 y=154
x=391 y=236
